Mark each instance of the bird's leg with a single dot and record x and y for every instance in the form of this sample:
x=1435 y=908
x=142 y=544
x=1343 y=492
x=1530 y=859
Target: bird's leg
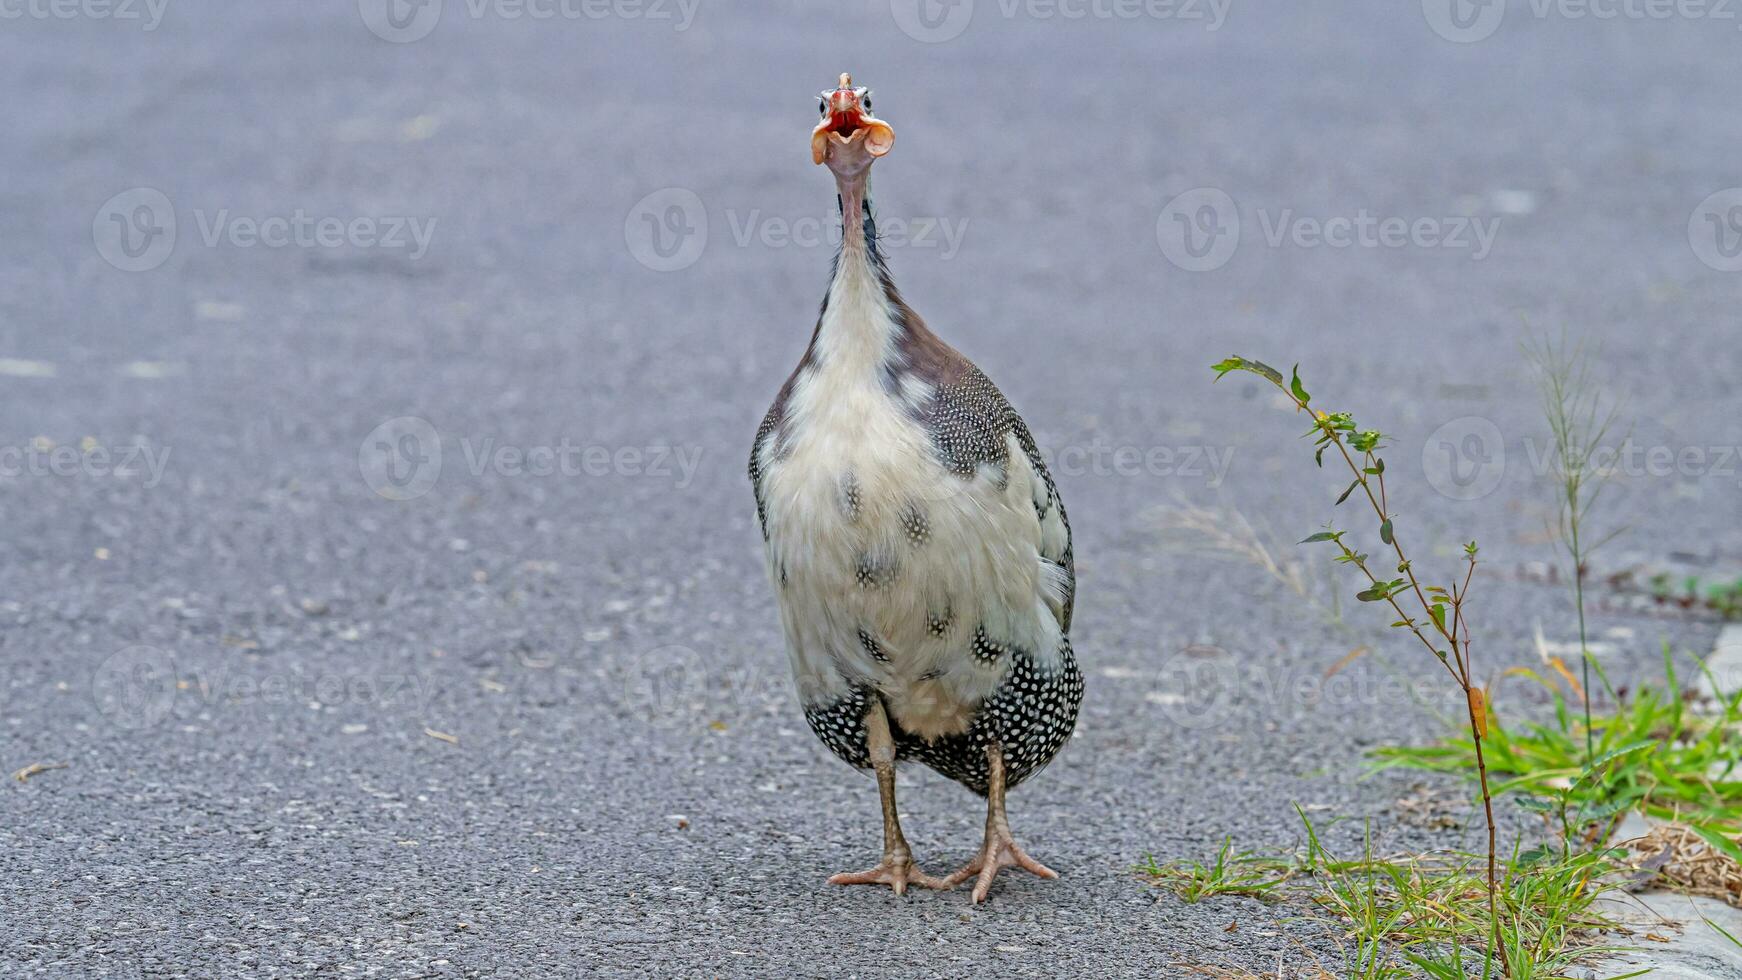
x=1000 y=849
x=897 y=869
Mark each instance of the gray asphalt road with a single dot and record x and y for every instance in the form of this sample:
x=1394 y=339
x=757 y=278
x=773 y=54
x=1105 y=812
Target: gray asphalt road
x=331 y=705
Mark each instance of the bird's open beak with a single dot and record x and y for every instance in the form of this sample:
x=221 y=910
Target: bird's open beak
x=846 y=124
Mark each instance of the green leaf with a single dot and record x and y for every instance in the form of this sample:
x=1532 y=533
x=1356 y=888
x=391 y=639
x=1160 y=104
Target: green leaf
x=1609 y=809
x=1323 y=536
x=1296 y=388
x=1537 y=855
x=1385 y=532
x=1438 y=611
x=1719 y=841
x=1375 y=594
x=1237 y=363
x=1319 y=457
x=1608 y=757
x=1365 y=441
x=1536 y=804
x=1346 y=493
x=1720 y=930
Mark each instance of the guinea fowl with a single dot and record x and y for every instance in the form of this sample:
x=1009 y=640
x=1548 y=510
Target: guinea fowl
x=918 y=549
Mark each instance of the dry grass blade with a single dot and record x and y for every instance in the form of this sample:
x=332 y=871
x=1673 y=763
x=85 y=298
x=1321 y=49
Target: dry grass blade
x=36 y=769
x=1684 y=860
x=1224 y=532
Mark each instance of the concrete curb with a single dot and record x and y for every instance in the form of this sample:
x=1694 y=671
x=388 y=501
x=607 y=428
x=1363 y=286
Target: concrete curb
x=1693 y=950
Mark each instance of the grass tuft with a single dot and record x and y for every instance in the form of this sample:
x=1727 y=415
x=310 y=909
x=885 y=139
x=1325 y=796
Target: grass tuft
x=1412 y=915
x=1653 y=755
x=1247 y=873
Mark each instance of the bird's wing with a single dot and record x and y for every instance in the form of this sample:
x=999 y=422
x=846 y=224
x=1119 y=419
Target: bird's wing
x=767 y=445
x=971 y=422
x=770 y=423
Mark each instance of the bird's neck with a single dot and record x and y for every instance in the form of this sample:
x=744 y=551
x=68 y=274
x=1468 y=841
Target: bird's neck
x=863 y=319
x=858 y=228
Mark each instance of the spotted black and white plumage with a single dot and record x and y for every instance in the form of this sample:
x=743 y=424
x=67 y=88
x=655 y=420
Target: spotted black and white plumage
x=919 y=550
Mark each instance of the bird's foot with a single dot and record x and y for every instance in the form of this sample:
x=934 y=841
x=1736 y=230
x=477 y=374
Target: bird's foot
x=999 y=851
x=896 y=870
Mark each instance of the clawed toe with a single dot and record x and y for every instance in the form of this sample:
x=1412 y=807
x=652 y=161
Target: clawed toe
x=896 y=872
x=1000 y=851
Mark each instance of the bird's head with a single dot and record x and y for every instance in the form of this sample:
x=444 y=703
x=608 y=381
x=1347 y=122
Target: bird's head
x=849 y=137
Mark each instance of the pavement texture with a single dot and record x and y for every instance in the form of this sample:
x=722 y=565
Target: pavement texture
x=331 y=705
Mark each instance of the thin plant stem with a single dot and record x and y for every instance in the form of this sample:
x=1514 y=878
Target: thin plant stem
x=1456 y=632
x=1578 y=426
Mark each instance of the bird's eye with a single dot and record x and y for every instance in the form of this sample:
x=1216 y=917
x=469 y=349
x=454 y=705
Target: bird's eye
x=866 y=102
x=822 y=106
